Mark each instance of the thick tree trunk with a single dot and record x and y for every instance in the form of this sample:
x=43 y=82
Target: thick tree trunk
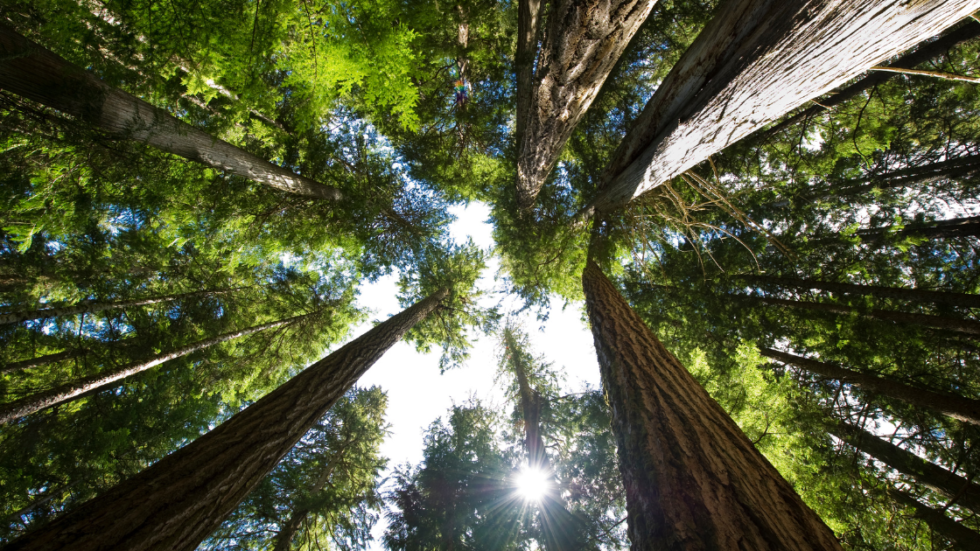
x=753 y=63
x=75 y=389
x=37 y=74
x=928 y=474
x=961 y=536
x=528 y=24
x=93 y=307
x=898 y=293
x=693 y=480
x=582 y=43
x=177 y=502
x=922 y=54
x=954 y=406
x=42 y=360
x=969 y=327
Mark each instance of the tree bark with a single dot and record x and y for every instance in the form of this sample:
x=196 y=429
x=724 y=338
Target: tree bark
x=898 y=293
x=927 y=473
x=29 y=70
x=42 y=360
x=754 y=62
x=961 y=536
x=528 y=24
x=922 y=54
x=693 y=480
x=957 y=407
x=582 y=43
x=93 y=307
x=969 y=327
x=75 y=389
x=177 y=502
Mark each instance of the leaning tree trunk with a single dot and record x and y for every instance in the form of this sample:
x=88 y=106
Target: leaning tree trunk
x=898 y=293
x=927 y=473
x=298 y=515
x=940 y=229
x=906 y=177
x=961 y=536
x=178 y=501
x=43 y=360
x=93 y=307
x=29 y=70
x=582 y=43
x=753 y=63
x=87 y=385
x=693 y=479
x=957 y=407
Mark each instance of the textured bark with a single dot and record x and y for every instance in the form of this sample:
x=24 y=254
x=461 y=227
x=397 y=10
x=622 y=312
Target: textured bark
x=911 y=295
x=528 y=25
x=582 y=43
x=922 y=54
x=969 y=327
x=75 y=389
x=753 y=63
x=928 y=474
x=93 y=307
x=35 y=73
x=42 y=360
x=177 y=502
x=693 y=480
x=954 y=406
x=961 y=536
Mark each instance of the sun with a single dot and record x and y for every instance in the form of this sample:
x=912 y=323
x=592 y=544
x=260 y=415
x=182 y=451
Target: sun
x=533 y=483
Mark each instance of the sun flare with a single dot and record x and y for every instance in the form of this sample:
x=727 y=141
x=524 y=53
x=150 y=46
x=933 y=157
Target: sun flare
x=533 y=483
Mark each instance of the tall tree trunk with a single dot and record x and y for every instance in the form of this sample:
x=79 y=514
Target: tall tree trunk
x=969 y=327
x=40 y=75
x=927 y=473
x=288 y=530
x=178 y=501
x=93 y=307
x=528 y=25
x=925 y=52
x=898 y=293
x=938 y=229
x=693 y=480
x=746 y=70
x=961 y=536
x=954 y=406
x=904 y=177
x=582 y=43
x=42 y=360
x=75 y=389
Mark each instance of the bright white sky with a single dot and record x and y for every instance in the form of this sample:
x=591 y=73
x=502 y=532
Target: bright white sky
x=418 y=394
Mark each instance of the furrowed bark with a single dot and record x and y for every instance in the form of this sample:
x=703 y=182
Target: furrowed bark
x=693 y=480
x=582 y=43
x=754 y=62
x=957 y=407
x=927 y=473
x=42 y=360
x=961 y=536
x=93 y=307
x=75 y=389
x=911 y=295
x=178 y=501
x=29 y=70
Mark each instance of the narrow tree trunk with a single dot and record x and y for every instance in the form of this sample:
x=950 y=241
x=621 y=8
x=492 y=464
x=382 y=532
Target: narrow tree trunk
x=957 y=407
x=288 y=530
x=75 y=389
x=898 y=293
x=905 y=177
x=582 y=43
x=927 y=473
x=968 y=327
x=939 y=229
x=42 y=360
x=528 y=24
x=178 y=501
x=530 y=406
x=93 y=307
x=693 y=480
x=753 y=63
x=922 y=54
x=961 y=536
x=35 y=73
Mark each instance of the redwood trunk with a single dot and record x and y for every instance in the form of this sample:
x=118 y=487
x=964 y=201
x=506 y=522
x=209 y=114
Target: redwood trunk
x=927 y=473
x=177 y=502
x=42 y=360
x=40 y=75
x=961 y=536
x=957 y=407
x=753 y=63
x=582 y=43
x=693 y=480
x=75 y=389
x=93 y=307
x=911 y=295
